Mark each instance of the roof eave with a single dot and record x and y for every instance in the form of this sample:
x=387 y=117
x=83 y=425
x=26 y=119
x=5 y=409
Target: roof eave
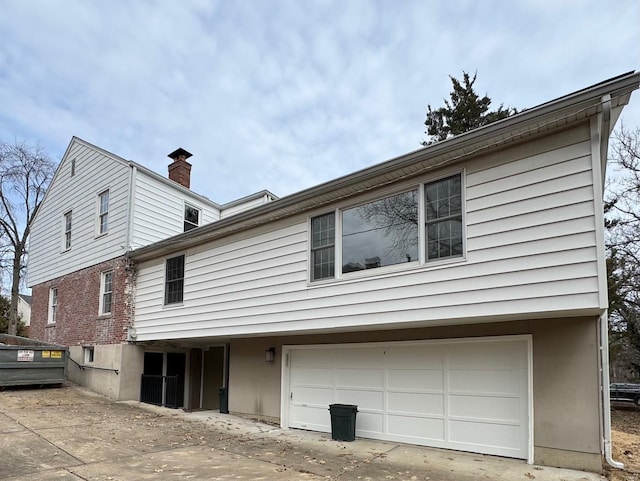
x=556 y=114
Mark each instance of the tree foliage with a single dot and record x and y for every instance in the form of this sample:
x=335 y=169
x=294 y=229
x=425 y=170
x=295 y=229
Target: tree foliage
x=25 y=173
x=465 y=111
x=623 y=254
x=5 y=305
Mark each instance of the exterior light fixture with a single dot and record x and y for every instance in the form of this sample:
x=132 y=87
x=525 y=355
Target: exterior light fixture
x=270 y=354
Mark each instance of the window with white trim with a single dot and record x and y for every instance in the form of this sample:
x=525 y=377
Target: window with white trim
x=174 y=280
x=89 y=354
x=67 y=221
x=323 y=246
x=103 y=212
x=443 y=217
x=106 y=292
x=53 y=305
x=191 y=217
x=386 y=232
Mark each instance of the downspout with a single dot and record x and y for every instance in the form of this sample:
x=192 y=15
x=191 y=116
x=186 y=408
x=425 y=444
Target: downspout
x=606 y=401
x=604 y=131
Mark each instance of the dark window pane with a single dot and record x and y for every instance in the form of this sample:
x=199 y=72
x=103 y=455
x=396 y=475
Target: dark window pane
x=174 y=285
x=381 y=233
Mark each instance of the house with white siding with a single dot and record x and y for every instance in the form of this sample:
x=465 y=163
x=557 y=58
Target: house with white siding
x=456 y=294
x=98 y=208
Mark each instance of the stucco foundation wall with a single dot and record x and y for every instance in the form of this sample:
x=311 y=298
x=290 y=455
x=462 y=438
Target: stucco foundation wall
x=100 y=376
x=566 y=399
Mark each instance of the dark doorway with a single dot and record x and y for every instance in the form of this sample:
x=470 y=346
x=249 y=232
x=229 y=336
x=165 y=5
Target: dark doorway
x=214 y=364
x=153 y=362
x=176 y=364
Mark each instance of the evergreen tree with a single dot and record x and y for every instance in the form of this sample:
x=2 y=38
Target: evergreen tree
x=465 y=111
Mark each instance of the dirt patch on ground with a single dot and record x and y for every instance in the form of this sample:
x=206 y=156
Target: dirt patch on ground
x=625 y=434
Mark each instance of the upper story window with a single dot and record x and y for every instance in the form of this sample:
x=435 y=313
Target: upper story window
x=103 y=212
x=191 y=217
x=106 y=292
x=67 y=230
x=380 y=233
x=443 y=200
x=53 y=305
x=174 y=280
x=323 y=246
x=73 y=167
x=386 y=231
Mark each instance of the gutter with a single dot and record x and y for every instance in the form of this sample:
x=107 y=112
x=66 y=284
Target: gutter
x=557 y=113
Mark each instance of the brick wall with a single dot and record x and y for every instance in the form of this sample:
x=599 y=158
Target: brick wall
x=78 y=321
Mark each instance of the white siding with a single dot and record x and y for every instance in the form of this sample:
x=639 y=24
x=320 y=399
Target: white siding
x=94 y=172
x=531 y=251
x=159 y=210
x=235 y=209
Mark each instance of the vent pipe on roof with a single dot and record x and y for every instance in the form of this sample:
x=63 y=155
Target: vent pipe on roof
x=180 y=169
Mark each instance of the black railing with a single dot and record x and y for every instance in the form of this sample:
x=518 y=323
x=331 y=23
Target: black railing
x=160 y=390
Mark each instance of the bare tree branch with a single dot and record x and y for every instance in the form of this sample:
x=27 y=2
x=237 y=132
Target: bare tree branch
x=25 y=173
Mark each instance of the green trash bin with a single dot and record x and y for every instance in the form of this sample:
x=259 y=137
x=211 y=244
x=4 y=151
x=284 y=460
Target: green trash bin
x=343 y=421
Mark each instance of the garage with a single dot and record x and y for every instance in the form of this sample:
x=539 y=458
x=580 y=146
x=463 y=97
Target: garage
x=467 y=394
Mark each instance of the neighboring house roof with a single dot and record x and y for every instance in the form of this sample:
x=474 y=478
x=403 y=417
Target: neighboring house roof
x=606 y=97
x=25 y=298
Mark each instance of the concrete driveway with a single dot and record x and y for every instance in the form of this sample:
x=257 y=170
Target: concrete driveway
x=72 y=434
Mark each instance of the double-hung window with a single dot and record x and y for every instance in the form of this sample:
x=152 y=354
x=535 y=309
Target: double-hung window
x=191 y=217
x=387 y=232
x=103 y=212
x=67 y=230
x=106 y=292
x=53 y=305
x=443 y=217
x=323 y=246
x=174 y=280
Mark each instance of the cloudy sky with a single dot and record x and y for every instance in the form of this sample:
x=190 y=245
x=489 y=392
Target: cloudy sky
x=282 y=95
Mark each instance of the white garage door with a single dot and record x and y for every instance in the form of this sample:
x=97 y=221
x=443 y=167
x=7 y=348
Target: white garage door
x=468 y=395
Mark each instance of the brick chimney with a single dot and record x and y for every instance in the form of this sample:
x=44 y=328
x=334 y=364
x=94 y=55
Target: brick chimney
x=180 y=169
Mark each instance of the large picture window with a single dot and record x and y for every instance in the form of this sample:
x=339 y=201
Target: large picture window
x=174 y=280
x=388 y=232
x=380 y=233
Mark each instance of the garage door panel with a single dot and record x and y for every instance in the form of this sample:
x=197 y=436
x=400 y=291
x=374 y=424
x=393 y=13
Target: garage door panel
x=470 y=395
x=372 y=378
x=361 y=398
x=314 y=418
x=488 y=355
x=416 y=379
x=314 y=395
x=399 y=357
x=360 y=357
x=485 y=434
x=371 y=424
x=416 y=427
x=485 y=381
x=415 y=403
x=491 y=408
x=319 y=375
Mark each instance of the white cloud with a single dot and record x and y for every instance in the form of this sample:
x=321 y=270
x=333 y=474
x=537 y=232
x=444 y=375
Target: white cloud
x=285 y=94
